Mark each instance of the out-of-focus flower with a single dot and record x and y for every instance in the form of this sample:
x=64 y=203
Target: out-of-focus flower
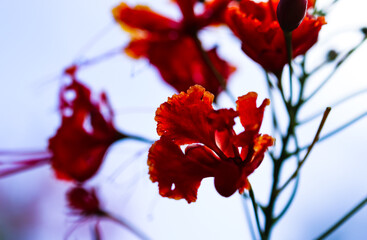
x=171 y=45
x=77 y=150
x=84 y=202
x=85 y=134
x=256 y=25
x=213 y=148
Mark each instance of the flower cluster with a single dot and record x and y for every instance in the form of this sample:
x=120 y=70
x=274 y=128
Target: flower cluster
x=172 y=46
x=196 y=139
x=214 y=149
x=85 y=134
x=256 y=25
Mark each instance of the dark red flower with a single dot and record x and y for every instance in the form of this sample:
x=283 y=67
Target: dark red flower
x=255 y=24
x=84 y=202
x=77 y=150
x=85 y=134
x=214 y=149
x=169 y=44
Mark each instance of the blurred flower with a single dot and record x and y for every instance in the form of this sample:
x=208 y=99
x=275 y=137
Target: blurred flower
x=213 y=148
x=171 y=45
x=256 y=25
x=84 y=202
x=85 y=134
x=77 y=150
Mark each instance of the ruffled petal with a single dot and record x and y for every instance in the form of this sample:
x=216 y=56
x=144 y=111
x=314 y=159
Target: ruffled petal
x=179 y=175
x=306 y=35
x=184 y=117
x=251 y=116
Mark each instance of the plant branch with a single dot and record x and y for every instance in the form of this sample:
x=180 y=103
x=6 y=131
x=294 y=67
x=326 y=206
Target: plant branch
x=346 y=98
x=316 y=138
x=338 y=64
x=254 y=204
x=343 y=219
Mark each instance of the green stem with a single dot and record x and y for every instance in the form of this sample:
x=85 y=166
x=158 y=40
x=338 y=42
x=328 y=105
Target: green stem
x=248 y=216
x=316 y=138
x=123 y=136
x=338 y=64
x=343 y=219
x=346 y=98
x=343 y=127
x=288 y=44
x=254 y=204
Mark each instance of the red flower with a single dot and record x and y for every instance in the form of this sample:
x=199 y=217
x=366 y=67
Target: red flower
x=84 y=202
x=77 y=150
x=85 y=134
x=214 y=149
x=169 y=44
x=262 y=38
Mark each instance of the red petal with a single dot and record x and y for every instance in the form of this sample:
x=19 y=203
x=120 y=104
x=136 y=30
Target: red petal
x=213 y=13
x=261 y=144
x=181 y=64
x=179 y=175
x=83 y=202
x=184 y=117
x=143 y=18
x=187 y=9
x=251 y=117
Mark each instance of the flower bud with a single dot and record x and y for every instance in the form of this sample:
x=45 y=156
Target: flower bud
x=331 y=55
x=290 y=13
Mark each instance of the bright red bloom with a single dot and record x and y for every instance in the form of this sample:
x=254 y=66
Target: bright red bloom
x=169 y=44
x=85 y=134
x=262 y=38
x=214 y=149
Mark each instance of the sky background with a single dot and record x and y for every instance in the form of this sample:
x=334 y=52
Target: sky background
x=38 y=39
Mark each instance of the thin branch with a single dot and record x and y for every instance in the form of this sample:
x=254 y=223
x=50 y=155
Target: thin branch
x=127 y=225
x=111 y=53
x=332 y=133
x=94 y=40
x=342 y=127
x=316 y=138
x=338 y=64
x=254 y=204
x=346 y=98
x=248 y=217
x=288 y=45
x=343 y=219
x=285 y=209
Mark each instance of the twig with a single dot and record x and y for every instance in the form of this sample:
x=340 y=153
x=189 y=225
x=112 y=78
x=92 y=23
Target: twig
x=254 y=204
x=343 y=219
x=316 y=138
